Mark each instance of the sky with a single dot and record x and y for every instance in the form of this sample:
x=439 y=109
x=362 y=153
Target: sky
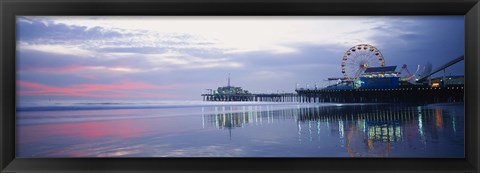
x=179 y=57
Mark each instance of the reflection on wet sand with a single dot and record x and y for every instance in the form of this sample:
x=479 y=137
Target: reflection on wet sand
x=305 y=130
x=360 y=129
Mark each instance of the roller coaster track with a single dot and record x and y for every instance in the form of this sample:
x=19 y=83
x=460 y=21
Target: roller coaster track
x=444 y=66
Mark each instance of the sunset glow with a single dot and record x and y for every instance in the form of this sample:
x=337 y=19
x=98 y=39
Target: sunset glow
x=170 y=58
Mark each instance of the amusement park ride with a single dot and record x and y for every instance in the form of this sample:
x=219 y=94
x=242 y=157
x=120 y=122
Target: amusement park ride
x=365 y=79
x=363 y=66
x=360 y=57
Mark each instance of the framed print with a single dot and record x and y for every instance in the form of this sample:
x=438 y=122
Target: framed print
x=211 y=86
x=134 y=86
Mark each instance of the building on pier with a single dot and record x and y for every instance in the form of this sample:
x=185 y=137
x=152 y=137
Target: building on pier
x=380 y=77
x=380 y=72
x=232 y=93
x=228 y=93
x=230 y=90
x=447 y=80
x=373 y=77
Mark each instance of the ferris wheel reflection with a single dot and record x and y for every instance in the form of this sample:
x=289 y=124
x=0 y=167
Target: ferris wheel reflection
x=376 y=127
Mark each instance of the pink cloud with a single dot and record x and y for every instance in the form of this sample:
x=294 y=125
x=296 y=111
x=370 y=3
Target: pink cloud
x=31 y=85
x=74 y=68
x=88 y=76
x=122 y=89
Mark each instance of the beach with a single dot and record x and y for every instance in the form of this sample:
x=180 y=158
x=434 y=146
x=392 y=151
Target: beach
x=239 y=129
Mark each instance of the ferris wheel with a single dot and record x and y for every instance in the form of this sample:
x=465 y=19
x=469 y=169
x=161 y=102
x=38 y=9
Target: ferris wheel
x=358 y=58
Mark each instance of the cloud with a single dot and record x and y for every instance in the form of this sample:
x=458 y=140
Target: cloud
x=117 y=90
x=88 y=76
x=271 y=75
x=261 y=53
x=81 y=69
x=176 y=43
x=176 y=60
x=231 y=34
x=42 y=29
x=56 y=49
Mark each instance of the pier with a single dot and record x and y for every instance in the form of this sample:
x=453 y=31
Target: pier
x=381 y=84
x=408 y=94
x=271 y=97
x=413 y=94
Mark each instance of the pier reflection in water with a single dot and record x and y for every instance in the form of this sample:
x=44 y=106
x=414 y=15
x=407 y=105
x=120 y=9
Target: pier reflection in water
x=252 y=130
x=379 y=130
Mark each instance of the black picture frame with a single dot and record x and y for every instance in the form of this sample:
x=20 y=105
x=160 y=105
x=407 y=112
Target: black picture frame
x=10 y=8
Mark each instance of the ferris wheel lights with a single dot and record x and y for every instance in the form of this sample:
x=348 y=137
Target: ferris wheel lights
x=358 y=58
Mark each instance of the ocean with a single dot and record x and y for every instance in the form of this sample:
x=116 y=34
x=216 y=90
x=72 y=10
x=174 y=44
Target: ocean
x=238 y=129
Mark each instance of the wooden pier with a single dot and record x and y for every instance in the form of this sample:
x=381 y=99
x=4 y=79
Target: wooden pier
x=279 y=97
x=403 y=94
x=406 y=94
